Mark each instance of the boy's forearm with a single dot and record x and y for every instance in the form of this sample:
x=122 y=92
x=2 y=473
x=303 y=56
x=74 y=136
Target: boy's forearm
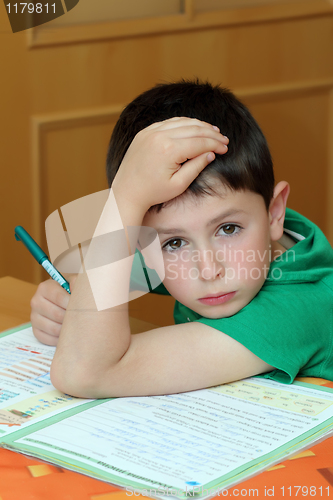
x=93 y=341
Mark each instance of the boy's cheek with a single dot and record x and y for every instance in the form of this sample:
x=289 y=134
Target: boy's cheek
x=179 y=273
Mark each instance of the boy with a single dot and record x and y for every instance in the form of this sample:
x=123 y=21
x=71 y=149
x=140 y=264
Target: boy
x=253 y=291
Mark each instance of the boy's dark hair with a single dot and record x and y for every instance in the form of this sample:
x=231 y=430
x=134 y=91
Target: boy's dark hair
x=247 y=163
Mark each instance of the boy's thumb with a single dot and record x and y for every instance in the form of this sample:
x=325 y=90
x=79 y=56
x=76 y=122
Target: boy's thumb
x=192 y=168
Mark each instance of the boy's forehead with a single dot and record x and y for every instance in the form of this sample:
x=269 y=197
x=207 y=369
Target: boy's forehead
x=215 y=191
x=206 y=208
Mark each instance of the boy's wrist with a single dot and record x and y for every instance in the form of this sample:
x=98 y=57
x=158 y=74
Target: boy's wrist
x=131 y=212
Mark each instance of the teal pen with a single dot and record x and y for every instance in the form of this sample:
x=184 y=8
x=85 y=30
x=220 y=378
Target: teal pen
x=41 y=257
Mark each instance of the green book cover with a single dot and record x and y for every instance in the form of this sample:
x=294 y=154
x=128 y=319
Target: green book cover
x=197 y=443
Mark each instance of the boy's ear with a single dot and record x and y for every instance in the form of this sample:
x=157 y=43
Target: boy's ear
x=277 y=209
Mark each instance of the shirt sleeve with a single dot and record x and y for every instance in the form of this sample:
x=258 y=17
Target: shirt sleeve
x=278 y=327
x=144 y=279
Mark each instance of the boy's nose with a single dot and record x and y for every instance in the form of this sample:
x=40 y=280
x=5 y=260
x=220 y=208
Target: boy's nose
x=212 y=272
x=210 y=267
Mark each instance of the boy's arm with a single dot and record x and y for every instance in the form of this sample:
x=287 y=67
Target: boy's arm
x=96 y=355
x=166 y=360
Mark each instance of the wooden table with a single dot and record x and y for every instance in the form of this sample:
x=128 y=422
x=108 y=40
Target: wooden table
x=15 y=296
x=22 y=478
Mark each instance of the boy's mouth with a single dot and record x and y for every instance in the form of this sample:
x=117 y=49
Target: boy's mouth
x=217 y=298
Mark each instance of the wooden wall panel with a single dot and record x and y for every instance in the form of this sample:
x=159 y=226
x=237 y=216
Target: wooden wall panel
x=68 y=162
x=296 y=127
x=189 y=16
x=73 y=166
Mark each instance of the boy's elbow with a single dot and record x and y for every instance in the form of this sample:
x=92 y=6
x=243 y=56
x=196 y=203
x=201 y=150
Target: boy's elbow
x=72 y=381
x=78 y=381
x=63 y=381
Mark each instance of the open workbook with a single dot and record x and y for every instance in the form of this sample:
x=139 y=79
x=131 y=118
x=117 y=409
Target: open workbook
x=197 y=443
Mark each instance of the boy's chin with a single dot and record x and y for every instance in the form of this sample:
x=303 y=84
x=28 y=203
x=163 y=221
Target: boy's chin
x=216 y=312
x=224 y=310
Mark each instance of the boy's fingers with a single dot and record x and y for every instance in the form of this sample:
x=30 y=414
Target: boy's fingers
x=192 y=168
x=197 y=131
x=52 y=304
x=45 y=338
x=193 y=147
x=45 y=325
x=50 y=311
x=181 y=121
x=54 y=293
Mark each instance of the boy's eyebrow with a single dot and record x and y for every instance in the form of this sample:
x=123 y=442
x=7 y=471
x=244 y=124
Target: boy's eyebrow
x=229 y=213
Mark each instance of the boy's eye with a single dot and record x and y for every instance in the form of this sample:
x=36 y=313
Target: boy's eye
x=229 y=229
x=174 y=244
